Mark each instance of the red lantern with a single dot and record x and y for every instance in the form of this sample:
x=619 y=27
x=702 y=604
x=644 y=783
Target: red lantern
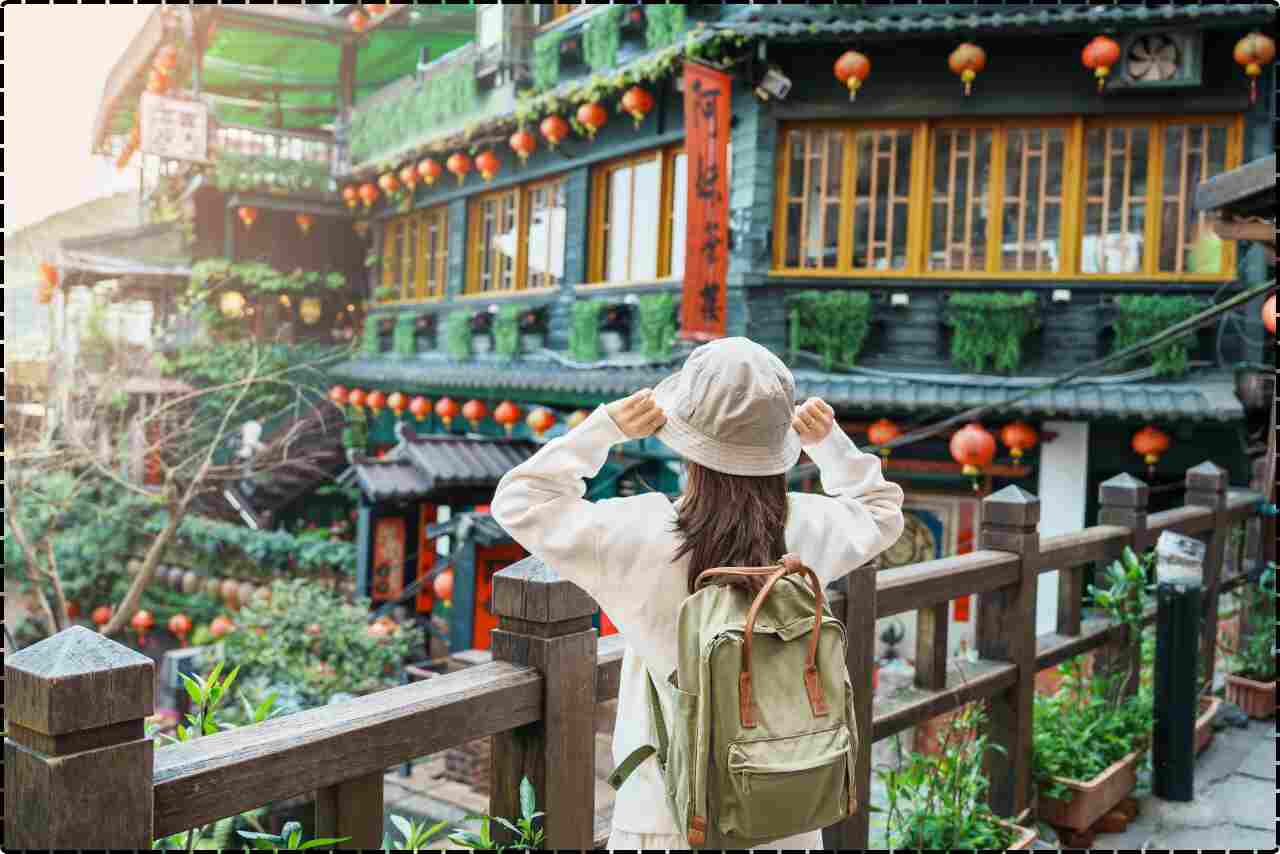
x=389 y=183
x=443 y=586
x=592 y=117
x=523 y=144
x=101 y=615
x=368 y=194
x=508 y=415
x=488 y=164
x=459 y=164
x=358 y=20
x=554 y=129
x=474 y=411
x=638 y=102
x=397 y=402
x=356 y=398
x=1269 y=314
x=157 y=82
x=166 y=61
x=221 y=627
x=973 y=447
x=305 y=221
x=967 y=60
x=429 y=171
x=851 y=69
x=378 y=8
x=883 y=432
x=1254 y=51
x=409 y=177
x=577 y=418
x=73 y=609
x=361 y=227
x=1019 y=438
x=540 y=421
x=376 y=400
x=248 y=216
x=142 y=623
x=351 y=196
x=179 y=627
x=1101 y=55
x=338 y=394
x=447 y=409
x=1149 y=443
x=420 y=408
x=49 y=274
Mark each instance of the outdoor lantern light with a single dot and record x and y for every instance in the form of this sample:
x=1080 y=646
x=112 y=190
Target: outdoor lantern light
x=882 y=432
x=967 y=60
x=540 y=421
x=554 y=129
x=409 y=177
x=447 y=409
x=973 y=447
x=1101 y=55
x=508 y=415
x=459 y=164
x=851 y=69
x=389 y=183
x=305 y=222
x=338 y=394
x=351 y=195
x=397 y=403
x=232 y=304
x=638 y=102
x=1269 y=314
x=368 y=194
x=310 y=310
x=248 y=216
x=1019 y=438
x=1254 y=51
x=523 y=144
x=474 y=411
x=1150 y=443
x=592 y=116
x=376 y=401
x=488 y=164
x=420 y=408
x=429 y=171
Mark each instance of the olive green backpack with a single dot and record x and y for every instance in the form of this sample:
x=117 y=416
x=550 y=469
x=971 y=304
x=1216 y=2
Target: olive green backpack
x=755 y=732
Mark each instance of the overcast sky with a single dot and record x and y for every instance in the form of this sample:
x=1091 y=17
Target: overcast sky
x=56 y=61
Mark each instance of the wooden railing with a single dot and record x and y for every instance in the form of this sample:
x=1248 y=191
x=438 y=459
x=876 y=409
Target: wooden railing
x=77 y=701
x=299 y=146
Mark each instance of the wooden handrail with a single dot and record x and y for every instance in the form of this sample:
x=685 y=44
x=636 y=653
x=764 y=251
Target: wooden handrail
x=921 y=585
x=1099 y=543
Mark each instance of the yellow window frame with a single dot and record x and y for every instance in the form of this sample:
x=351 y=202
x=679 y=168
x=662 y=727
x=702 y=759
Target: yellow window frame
x=598 y=244
x=522 y=206
x=408 y=236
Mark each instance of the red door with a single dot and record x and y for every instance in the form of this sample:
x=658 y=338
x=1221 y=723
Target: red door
x=490 y=559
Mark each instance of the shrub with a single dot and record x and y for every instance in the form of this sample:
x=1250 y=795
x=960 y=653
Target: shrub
x=832 y=324
x=990 y=328
x=1141 y=317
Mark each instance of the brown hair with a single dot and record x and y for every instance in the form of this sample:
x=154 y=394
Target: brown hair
x=731 y=520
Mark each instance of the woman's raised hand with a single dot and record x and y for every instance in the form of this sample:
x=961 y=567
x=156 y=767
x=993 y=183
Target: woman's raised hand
x=813 y=421
x=638 y=416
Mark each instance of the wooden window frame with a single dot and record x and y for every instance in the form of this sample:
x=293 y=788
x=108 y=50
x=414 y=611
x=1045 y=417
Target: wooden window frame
x=1074 y=175
x=598 y=244
x=523 y=206
x=410 y=232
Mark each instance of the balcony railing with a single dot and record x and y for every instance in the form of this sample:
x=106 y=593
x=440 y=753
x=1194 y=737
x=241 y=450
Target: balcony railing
x=76 y=736
x=248 y=158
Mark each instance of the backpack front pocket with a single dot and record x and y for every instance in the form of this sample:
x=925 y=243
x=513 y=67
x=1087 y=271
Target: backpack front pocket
x=782 y=786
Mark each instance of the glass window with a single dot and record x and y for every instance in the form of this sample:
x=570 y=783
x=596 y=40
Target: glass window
x=959 y=207
x=496 y=243
x=813 y=198
x=518 y=239
x=679 y=212
x=881 y=198
x=1033 y=172
x=640 y=219
x=1192 y=153
x=1115 y=199
x=434 y=232
x=391 y=256
x=414 y=255
x=545 y=231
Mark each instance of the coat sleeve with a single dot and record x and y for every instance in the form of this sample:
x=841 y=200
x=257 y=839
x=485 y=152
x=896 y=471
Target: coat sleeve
x=541 y=502
x=858 y=518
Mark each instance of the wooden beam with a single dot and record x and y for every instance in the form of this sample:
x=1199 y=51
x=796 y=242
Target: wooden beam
x=922 y=585
x=1099 y=543
x=966 y=682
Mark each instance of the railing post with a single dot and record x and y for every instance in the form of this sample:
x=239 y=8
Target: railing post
x=77 y=761
x=1006 y=631
x=860 y=651
x=1123 y=500
x=545 y=622
x=1207 y=487
x=352 y=810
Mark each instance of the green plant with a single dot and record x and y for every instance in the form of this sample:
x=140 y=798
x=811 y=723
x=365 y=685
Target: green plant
x=457 y=335
x=528 y=835
x=381 y=125
x=1125 y=598
x=506 y=331
x=1141 y=317
x=371 y=343
x=664 y=24
x=832 y=324
x=990 y=327
x=402 y=339
x=413 y=836
x=584 y=330
x=939 y=801
x=657 y=323
x=289 y=839
x=255 y=280
x=546 y=59
x=600 y=39
x=239 y=173
x=1254 y=656
x=355 y=436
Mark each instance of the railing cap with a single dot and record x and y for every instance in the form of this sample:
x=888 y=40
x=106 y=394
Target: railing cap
x=1012 y=506
x=77 y=680
x=1207 y=477
x=1124 y=490
x=532 y=591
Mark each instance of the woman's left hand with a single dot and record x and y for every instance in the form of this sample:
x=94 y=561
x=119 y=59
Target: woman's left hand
x=813 y=421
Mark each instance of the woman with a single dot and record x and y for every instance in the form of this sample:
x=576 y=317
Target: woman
x=730 y=413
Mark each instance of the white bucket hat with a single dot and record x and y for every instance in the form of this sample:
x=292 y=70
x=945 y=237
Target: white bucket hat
x=730 y=408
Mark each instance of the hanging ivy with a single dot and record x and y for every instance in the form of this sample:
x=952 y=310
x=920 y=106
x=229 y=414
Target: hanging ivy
x=657 y=325
x=831 y=324
x=457 y=335
x=371 y=343
x=506 y=332
x=546 y=60
x=402 y=337
x=601 y=37
x=990 y=328
x=1141 y=317
x=240 y=173
x=664 y=24
x=254 y=280
x=355 y=436
x=438 y=101
x=584 y=330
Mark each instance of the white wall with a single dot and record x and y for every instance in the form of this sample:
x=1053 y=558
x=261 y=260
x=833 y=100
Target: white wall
x=1063 y=491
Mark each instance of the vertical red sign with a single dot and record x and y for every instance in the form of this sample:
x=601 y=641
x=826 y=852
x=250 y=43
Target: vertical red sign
x=706 y=122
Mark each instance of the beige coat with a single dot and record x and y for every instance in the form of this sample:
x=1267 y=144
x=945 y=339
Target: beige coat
x=620 y=551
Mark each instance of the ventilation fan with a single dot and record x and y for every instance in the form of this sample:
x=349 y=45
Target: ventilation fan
x=1159 y=60
x=1152 y=58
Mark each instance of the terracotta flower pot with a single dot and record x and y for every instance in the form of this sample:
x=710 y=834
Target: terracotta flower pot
x=1204 y=724
x=1257 y=699
x=1092 y=799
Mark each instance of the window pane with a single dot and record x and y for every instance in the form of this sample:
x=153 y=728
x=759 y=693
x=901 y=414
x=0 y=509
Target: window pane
x=391 y=256
x=1033 y=199
x=618 y=226
x=813 y=212
x=507 y=243
x=961 y=175
x=644 y=221
x=1187 y=242
x=1115 y=211
x=410 y=252
x=488 y=231
x=881 y=199
x=679 y=213
x=546 y=235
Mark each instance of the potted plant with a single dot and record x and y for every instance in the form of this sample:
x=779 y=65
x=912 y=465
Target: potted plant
x=1251 y=663
x=615 y=325
x=533 y=330
x=482 y=332
x=940 y=802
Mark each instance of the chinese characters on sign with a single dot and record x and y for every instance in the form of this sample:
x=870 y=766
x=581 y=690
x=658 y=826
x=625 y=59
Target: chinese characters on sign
x=175 y=129
x=706 y=112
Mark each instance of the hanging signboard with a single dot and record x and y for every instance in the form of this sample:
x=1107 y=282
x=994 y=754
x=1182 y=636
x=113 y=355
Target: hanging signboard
x=174 y=129
x=706 y=117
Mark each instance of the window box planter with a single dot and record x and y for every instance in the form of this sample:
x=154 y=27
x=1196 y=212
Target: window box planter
x=571 y=50
x=1091 y=800
x=612 y=342
x=633 y=22
x=481 y=342
x=1256 y=699
x=1204 y=724
x=615 y=328
x=532 y=342
x=533 y=330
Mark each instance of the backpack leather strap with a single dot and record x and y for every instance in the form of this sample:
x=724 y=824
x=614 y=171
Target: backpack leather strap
x=812 y=682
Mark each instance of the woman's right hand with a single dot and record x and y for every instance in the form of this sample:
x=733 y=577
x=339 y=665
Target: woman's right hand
x=637 y=416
